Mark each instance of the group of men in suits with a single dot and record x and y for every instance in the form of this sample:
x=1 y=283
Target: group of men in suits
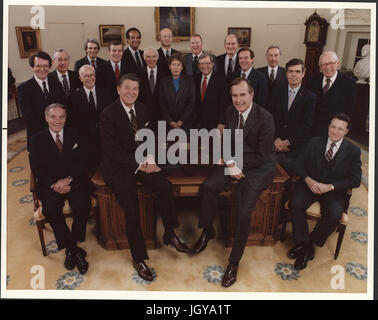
x=131 y=90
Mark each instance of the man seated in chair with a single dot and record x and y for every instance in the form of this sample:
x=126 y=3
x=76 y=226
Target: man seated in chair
x=56 y=161
x=327 y=167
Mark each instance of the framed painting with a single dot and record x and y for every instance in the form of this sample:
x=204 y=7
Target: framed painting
x=29 y=41
x=112 y=32
x=179 y=19
x=243 y=34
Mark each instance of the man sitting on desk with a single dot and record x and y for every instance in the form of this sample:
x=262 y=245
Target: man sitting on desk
x=327 y=168
x=119 y=123
x=259 y=166
x=57 y=162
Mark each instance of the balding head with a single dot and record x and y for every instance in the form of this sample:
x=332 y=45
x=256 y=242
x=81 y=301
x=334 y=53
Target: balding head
x=328 y=63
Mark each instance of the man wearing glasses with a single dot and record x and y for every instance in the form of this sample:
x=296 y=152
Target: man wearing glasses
x=35 y=94
x=335 y=92
x=165 y=51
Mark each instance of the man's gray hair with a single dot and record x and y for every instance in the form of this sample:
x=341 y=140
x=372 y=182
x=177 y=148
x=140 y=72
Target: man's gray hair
x=273 y=46
x=333 y=54
x=60 y=50
x=150 y=48
x=204 y=55
x=54 y=105
x=86 y=66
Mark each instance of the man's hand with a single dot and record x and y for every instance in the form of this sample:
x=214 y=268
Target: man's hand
x=317 y=187
x=62 y=186
x=174 y=124
x=281 y=145
x=235 y=172
x=149 y=168
x=179 y=123
x=220 y=127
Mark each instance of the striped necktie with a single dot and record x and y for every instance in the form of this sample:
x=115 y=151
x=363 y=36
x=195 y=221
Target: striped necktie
x=329 y=153
x=326 y=87
x=59 y=143
x=66 y=88
x=134 y=123
x=45 y=91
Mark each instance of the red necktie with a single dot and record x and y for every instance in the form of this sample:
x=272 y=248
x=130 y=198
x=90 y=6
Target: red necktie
x=93 y=63
x=116 y=72
x=203 y=88
x=243 y=75
x=58 y=143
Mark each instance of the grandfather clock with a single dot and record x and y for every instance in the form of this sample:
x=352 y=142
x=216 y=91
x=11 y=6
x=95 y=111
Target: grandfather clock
x=315 y=38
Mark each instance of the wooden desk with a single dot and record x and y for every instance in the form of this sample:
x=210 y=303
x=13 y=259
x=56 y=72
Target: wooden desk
x=186 y=182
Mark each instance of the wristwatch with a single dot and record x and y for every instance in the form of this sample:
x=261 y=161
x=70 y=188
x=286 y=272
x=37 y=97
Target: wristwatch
x=70 y=178
x=332 y=187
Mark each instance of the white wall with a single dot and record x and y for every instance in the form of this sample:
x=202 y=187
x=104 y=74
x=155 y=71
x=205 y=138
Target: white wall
x=68 y=27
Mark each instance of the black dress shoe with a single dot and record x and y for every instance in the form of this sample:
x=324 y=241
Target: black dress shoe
x=302 y=260
x=81 y=251
x=229 y=276
x=69 y=262
x=175 y=242
x=201 y=244
x=143 y=271
x=81 y=263
x=296 y=251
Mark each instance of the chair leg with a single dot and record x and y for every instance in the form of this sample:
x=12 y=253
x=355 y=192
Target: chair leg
x=283 y=231
x=40 y=227
x=341 y=229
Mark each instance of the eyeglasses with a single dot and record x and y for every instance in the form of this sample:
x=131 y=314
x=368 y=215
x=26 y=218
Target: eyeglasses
x=87 y=76
x=328 y=64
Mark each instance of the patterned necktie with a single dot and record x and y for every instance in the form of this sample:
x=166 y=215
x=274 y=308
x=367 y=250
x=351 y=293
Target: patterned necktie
x=116 y=72
x=58 y=143
x=329 y=153
x=243 y=75
x=229 y=68
x=152 y=81
x=195 y=64
x=93 y=63
x=271 y=78
x=45 y=91
x=134 y=123
x=92 y=101
x=138 y=60
x=241 y=121
x=326 y=87
x=291 y=98
x=66 y=88
x=204 y=85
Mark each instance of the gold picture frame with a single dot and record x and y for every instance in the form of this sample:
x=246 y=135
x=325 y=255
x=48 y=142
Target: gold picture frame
x=111 y=32
x=179 y=19
x=29 y=41
x=243 y=34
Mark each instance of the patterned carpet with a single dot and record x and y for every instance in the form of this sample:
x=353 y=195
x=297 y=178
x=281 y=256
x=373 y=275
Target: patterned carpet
x=262 y=269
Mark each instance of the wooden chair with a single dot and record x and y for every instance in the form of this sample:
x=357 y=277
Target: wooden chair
x=314 y=213
x=41 y=220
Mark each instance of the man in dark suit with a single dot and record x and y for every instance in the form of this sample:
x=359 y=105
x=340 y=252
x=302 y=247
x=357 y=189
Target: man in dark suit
x=274 y=73
x=335 y=92
x=177 y=96
x=165 y=51
x=35 y=94
x=258 y=168
x=191 y=59
x=212 y=95
x=91 y=47
x=133 y=57
x=109 y=73
x=66 y=78
x=56 y=160
x=149 y=86
x=293 y=108
x=228 y=62
x=87 y=104
x=119 y=124
x=327 y=167
x=256 y=79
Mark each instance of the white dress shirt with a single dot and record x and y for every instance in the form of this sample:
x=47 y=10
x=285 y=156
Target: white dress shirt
x=61 y=78
x=39 y=81
x=87 y=91
x=335 y=148
x=233 y=62
x=333 y=78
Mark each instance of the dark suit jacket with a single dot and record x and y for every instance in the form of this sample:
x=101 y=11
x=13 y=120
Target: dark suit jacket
x=211 y=111
x=49 y=165
x=128 y=60
x=32 y=103
x=73 y=79
x=346 y=164
x=178 y=106
x=151 y=100
x=105 y=77
x=296 y=123
x=117 y=138
x=220 y=65
x=341 y=97
x=259 y=84
x=280 y=77
x=83 y=61
x=258 y=135
x=163 y=62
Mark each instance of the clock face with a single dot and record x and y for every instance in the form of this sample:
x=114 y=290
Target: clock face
x=313 y=32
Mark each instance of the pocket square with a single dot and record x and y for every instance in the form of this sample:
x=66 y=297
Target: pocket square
x=75 y=146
